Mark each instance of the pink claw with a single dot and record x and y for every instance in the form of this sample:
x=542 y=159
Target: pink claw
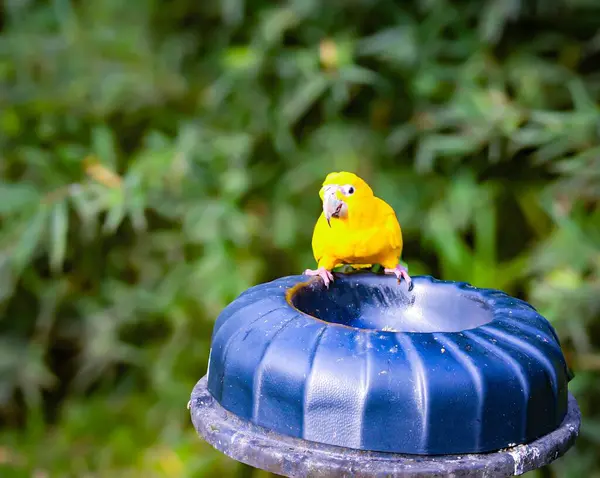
x=401 y=272
x=323 y=273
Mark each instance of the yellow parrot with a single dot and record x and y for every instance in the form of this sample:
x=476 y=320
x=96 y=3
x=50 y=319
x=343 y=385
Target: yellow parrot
x=355 y=228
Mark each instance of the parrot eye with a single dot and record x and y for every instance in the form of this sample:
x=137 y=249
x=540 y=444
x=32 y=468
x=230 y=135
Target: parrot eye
x=348 y=190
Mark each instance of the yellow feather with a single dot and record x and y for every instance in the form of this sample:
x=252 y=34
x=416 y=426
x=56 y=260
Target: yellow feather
x=370 y=234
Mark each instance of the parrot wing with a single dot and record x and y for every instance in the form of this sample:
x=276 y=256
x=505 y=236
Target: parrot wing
x=392 y=227
x=319 y=244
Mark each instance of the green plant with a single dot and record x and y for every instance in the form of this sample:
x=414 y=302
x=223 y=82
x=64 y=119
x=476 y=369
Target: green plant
x=155 y=161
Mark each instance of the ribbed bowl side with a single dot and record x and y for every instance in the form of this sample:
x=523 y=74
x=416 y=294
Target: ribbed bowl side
x=477 y=390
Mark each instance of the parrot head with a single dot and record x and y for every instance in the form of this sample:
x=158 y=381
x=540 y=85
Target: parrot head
x=340 y=192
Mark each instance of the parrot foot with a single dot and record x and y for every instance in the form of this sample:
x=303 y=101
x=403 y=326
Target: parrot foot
x=401 y=273
x=323 y=273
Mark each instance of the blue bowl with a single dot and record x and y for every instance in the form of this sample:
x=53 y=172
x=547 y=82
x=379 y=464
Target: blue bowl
x=446 y=368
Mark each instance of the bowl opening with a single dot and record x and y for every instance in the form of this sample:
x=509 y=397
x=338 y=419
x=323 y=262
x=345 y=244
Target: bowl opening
x=379 y=303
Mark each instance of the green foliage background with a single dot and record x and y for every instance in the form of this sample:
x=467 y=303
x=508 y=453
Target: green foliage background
x=158 y=158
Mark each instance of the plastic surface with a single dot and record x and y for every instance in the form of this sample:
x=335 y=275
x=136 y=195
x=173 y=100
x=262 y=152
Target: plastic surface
x=463 y=370
x=294 y=457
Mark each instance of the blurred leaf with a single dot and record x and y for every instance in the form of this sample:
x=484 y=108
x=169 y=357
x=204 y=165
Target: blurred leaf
x=494 y=17
x=59 y=225
x=581 y=98
x=591 y=430
x=284 y=226
x=485 y=232
x=303 y=98
x=116 y=212
x=15 y=198
x=240 y=58
x=232 y=11
x=443 y=146
x=104 y=146
x=400 y=138
x=275 y=22
x=32 y=234
x=396 y=45
x=358 y=75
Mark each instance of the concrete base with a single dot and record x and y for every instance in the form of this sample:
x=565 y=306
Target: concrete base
x=293 y=457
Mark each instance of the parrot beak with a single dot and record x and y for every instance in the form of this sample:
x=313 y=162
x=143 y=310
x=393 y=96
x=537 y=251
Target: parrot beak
x=332 y=206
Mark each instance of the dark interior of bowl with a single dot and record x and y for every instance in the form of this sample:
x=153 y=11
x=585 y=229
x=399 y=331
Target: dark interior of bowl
x=379 y=302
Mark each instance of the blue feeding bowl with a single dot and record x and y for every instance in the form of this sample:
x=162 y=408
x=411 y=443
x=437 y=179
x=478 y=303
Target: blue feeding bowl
x=446 y=368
